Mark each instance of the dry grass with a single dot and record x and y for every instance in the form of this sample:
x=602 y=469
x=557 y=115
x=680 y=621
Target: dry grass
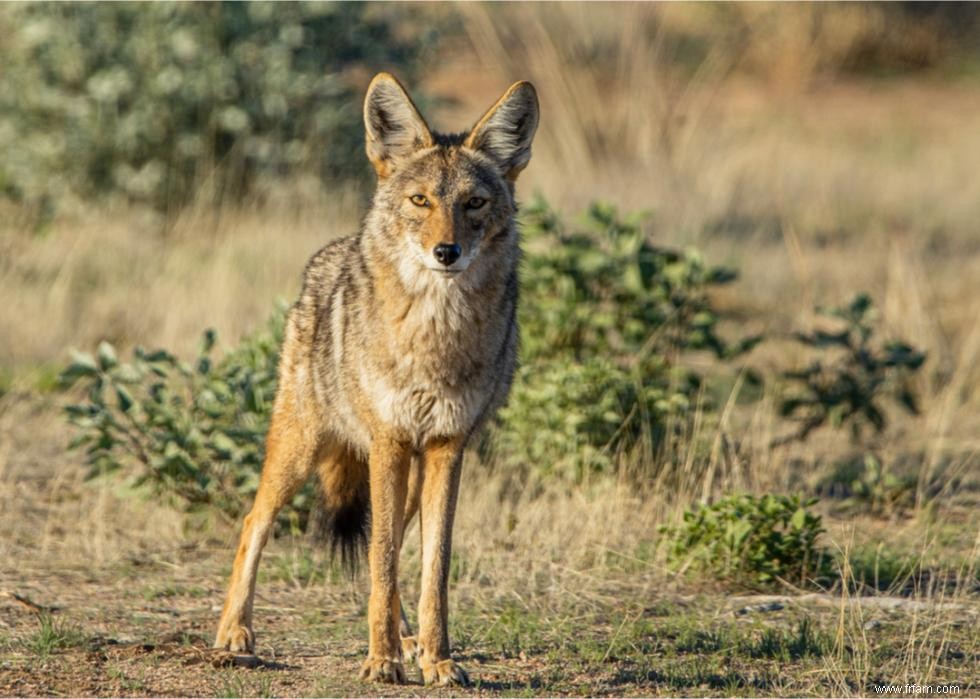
x=548 y=599
x=813 y=193
x=129 y=279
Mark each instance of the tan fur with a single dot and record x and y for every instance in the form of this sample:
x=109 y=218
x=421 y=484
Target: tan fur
x=392 y=359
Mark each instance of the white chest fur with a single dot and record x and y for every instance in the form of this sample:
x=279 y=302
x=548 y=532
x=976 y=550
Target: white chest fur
x=422 y=411
x=434 y=384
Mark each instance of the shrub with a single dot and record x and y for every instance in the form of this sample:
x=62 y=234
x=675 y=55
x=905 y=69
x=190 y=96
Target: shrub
x=605 y=317
x=751 y=540
x=150 y=101
x=194 y=433
x=569 y=418
x=604 y=289
x=846 y=385
x=867 y=482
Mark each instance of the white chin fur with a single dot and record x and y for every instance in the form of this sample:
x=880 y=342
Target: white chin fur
x=445 y=271
x=419 y=271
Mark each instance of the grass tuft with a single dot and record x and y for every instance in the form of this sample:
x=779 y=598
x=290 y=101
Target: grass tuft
x=805 y=641
x=53 y=635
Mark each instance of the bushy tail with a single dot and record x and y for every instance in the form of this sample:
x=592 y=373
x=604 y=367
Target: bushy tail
x=344 y=518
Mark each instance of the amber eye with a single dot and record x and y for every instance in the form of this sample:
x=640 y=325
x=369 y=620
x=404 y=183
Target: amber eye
x=419 y=200
x=475 y=202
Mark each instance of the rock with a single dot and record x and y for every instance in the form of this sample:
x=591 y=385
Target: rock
x=760 y=608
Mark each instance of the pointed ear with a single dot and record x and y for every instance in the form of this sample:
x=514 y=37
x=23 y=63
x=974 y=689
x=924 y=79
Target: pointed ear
x=505 y=132
x=393 y=125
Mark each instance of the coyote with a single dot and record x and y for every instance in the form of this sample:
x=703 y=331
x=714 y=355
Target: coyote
x=402 y=344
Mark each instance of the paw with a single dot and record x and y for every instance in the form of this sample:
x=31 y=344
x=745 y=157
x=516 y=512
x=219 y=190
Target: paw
x=410 y=648
x=383 y=670
x=237 y=638
x=445 y=673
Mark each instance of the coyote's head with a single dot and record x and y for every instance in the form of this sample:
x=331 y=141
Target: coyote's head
x=443 y=201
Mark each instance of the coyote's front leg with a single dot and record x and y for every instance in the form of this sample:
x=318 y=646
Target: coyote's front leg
x=389 y=465
x=440 y=486
x=288 y=462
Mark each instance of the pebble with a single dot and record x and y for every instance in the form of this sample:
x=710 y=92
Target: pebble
x=760 y=608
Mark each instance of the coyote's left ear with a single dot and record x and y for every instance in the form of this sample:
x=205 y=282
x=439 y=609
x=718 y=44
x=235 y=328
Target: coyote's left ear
x=505 y=132
x=393 y=125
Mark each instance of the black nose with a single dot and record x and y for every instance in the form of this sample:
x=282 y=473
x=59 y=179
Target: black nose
x=447 y=253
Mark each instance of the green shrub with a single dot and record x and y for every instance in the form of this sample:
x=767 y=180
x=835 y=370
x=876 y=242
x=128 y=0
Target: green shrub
x=864 y=481
x=605 y=290
x=605 y=319
x=845 y=386
x=751 y=540
x=568 y=418
x=153 y=100
x=194 y=433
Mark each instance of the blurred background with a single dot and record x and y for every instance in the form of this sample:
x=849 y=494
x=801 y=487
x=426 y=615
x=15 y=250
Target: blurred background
x=213 y=147
x=753 y=256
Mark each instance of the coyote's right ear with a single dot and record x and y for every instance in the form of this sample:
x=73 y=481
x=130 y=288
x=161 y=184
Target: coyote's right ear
x=394 y=127
x=506 y=130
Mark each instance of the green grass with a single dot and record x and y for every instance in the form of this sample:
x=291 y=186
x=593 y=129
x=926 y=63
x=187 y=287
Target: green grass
x=304 y=567
x=53 y=635
x=786 y=645
x=40 y=377
x=701 y=641
x=253 y=684
x=700 y=649
x=130 y=684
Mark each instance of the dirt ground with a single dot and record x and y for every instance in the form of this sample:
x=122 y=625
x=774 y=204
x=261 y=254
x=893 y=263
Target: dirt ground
x=102 y=594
